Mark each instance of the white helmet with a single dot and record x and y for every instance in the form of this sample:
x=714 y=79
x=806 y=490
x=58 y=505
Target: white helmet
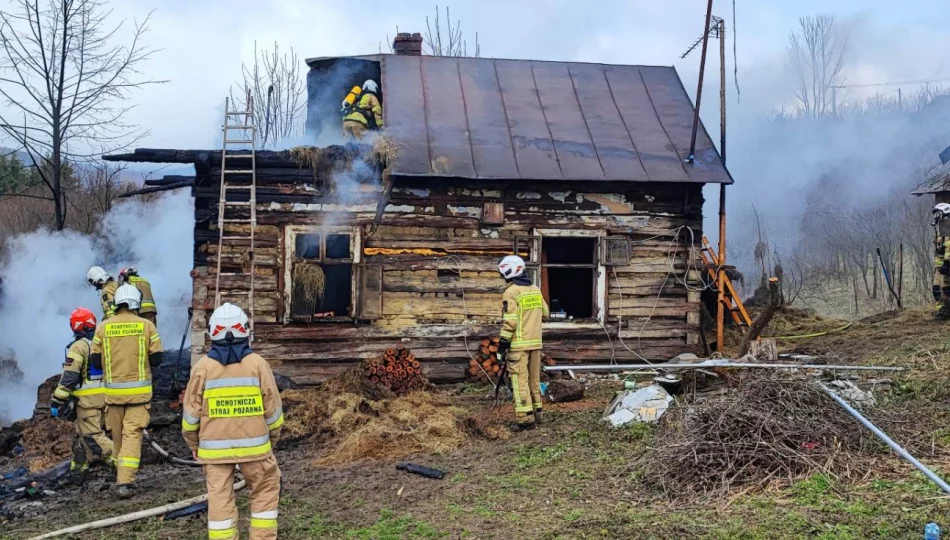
x=128 y=295
x=511 y=266
x=97 y=276
x=941 y=210
x=370 y=86
x=228 y=323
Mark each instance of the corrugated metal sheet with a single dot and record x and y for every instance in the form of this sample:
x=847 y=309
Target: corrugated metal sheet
x=532 y=120
x=938 y=181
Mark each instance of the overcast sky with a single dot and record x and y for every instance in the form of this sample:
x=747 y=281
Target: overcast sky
x=204 y=43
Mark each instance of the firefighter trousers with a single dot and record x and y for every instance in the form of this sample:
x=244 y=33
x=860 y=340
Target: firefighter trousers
x=90 y=442
x=126 y=423
x=524 y=369
x=263 y=482
x=353 y=129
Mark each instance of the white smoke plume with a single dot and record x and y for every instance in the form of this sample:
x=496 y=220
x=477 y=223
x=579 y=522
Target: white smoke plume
x=45 y=279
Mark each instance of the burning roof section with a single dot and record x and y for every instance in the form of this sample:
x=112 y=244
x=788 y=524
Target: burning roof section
x=485 y=118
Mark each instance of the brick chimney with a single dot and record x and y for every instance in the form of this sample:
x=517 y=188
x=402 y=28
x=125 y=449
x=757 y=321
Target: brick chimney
x=408 y=44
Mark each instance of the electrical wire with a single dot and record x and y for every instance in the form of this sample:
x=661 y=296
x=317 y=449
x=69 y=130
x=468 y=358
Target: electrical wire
x=444 y=263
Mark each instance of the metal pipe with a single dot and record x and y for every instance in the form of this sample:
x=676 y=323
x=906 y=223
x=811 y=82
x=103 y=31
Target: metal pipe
x=890 y=442
x=713 y=364
x=699 y=88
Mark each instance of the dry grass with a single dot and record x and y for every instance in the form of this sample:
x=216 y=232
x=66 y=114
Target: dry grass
x=359 y=423
x=46 y=443
x=311 y=279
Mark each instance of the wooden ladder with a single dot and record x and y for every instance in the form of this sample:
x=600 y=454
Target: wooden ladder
x=733 y=304
x=238 y=174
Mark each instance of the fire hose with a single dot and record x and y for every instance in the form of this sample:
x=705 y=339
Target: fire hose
x=134 y=516
x=168 y=457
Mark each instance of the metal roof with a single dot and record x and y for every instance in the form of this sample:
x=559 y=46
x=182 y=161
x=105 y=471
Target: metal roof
x=938 y=180
x=519 y=119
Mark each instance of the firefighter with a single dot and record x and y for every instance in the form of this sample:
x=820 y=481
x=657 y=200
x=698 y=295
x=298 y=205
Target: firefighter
x=106 y=285
x=147 y=309
x=366 y=115
x=80 y=387
x=126 y=348
x=232 y=415
x=941 y=285
x=523 y=307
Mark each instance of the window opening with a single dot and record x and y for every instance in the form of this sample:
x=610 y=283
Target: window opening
x=322 y=277
x=569 y=276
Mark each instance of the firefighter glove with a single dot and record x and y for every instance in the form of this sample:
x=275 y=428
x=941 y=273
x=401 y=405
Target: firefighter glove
x=945 y=270
x=503 y=346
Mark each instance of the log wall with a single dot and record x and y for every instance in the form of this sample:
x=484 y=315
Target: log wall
x=651 y=310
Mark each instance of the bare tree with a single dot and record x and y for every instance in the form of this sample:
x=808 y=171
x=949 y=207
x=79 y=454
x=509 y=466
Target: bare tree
x=66 y=82
x=817 y=54
x=273 y=81
x=447 y=42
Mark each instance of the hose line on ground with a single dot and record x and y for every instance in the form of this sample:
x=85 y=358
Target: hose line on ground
x=816 y=334
x=168 y=457
x=134 y=516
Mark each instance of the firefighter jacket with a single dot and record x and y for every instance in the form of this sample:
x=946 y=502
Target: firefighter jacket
x=232 y=413
x=107 y=298
x=942 y=254
x=147 y=304
x=369 y=104
x=127 y=347
x=523 y=308
x=79 y=378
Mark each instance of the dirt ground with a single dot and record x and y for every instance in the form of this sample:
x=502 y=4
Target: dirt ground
x=573 y=477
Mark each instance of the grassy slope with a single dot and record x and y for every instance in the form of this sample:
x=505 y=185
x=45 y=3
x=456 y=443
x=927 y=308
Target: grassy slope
x=574 y=478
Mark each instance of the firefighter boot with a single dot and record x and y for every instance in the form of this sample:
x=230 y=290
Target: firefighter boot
x=943 y=311
x=126 y=491
x=537 y=416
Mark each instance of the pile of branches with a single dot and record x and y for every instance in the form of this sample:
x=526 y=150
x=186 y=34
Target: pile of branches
x=769 y=428
x=396 y=370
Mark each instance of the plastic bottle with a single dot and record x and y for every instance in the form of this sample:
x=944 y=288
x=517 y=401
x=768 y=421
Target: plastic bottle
x=932 y=532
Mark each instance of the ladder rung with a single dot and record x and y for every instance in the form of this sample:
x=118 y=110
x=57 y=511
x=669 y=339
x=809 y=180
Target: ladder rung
x=239 y=126
x=238 y=141
x=248 y=237
x=239 y=171
x=229 y=220
x=232 y=203
x=233 y=274
x=238 y=186
x=233 y=113
x=232 y=156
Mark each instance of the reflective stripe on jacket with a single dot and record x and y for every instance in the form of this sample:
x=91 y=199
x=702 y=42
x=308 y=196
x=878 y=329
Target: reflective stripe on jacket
x=369 y=104
x=147 y=305
x=76 y=380
x=524 y=308
x=233 y=413
x=125 y=342
x=107 y=298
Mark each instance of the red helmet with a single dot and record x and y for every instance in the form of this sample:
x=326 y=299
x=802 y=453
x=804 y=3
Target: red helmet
x=82 y=319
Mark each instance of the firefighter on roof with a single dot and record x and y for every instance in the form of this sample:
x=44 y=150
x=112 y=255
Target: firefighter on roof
x=367 y=114
x=941 y=286
x=147 y=309
x=523 y=308
x=126 y=348
x=106 y=285
x=232 y=415
x=80 y=394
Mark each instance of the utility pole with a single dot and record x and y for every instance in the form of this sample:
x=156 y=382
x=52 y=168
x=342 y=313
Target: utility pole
x=900 y=101
x=721 y=275
x=834 y=100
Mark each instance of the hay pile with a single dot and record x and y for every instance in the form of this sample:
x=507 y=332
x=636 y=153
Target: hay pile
x=312 y=281
x=353 y=422
x=769 y=428
x=45 y=443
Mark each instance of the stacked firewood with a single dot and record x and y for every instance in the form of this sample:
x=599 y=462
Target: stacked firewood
x=486 y=363
x=396 y=369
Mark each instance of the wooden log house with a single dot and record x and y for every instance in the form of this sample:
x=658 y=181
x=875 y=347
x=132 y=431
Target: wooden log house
x=580 y=168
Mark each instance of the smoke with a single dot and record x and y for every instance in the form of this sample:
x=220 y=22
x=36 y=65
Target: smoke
x=45 y=279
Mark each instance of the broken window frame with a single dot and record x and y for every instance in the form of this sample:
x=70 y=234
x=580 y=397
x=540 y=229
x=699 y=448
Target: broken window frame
x=605 y=252
x=291 y=232
x=600 y=289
